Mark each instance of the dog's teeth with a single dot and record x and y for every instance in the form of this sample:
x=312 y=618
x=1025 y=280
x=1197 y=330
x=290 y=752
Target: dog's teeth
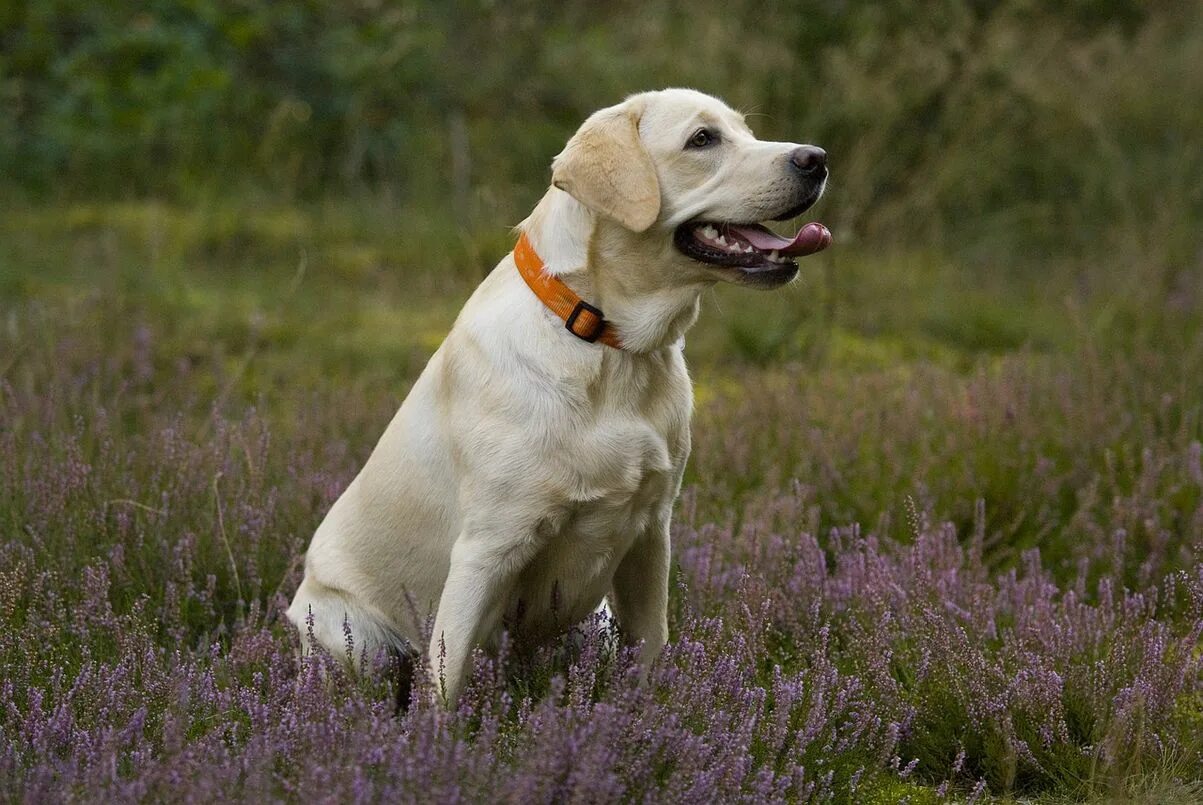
x=710 y=232
x=722 y=241
x=774 y=256
x=749 y=249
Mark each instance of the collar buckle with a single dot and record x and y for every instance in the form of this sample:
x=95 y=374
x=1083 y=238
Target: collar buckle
x=593 y=315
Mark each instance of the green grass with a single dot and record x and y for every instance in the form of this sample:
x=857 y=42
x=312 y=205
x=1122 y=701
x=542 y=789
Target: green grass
x=350 y=284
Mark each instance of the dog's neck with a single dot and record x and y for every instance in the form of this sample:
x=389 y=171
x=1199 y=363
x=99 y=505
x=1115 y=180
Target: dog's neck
x=629 y=276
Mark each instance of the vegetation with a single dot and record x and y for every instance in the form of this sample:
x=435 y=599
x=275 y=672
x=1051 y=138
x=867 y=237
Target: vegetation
x=942 y=531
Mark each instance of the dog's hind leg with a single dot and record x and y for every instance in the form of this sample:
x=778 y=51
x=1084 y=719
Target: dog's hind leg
x=329 y=618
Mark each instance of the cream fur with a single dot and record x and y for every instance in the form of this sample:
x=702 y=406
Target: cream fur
x=529 y=474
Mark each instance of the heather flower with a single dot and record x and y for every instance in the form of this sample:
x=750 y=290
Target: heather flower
x=149 y=555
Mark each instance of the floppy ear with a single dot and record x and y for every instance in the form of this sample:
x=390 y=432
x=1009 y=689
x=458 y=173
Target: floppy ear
x=606 y=168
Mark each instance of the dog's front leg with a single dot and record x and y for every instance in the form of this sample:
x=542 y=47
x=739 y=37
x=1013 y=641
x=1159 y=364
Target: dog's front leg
x=484 y=566
x=640 y=592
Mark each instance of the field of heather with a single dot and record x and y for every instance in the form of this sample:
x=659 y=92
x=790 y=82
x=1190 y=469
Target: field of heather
x=913 y=561
x=941 y=534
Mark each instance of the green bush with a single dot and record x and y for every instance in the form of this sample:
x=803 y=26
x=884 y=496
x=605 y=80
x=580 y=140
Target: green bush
x=1006 y=130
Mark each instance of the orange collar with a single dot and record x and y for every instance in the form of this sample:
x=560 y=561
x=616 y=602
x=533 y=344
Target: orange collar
x=580 y=318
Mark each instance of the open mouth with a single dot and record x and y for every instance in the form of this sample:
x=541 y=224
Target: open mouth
x=756 y=254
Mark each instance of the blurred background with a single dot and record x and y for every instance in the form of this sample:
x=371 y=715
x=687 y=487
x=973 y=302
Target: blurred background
x=303 y=194
x=992 y=162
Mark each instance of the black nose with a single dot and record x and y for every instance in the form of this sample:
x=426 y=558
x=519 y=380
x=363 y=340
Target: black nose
x=810 y=160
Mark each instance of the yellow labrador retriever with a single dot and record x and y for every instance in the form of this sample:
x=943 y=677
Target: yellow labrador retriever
x=531 y=471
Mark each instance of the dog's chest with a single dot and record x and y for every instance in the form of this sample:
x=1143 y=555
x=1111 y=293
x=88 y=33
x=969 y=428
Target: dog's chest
x=626 y=483
x=618 y=478
x=618 y=464
x=623 y=457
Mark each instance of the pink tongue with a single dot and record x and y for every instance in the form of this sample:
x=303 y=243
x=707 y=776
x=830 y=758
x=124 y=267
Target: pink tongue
x=810 y=239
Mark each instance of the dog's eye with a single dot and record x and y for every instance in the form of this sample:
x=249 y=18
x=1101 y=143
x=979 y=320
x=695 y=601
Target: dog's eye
x=702 y=138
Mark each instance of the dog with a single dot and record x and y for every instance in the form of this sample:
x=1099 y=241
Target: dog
x=531 y=472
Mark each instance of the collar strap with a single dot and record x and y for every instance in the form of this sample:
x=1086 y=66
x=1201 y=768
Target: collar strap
x=580 y=318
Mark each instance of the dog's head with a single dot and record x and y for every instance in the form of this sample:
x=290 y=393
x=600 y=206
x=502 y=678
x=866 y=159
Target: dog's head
x=684 y=166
